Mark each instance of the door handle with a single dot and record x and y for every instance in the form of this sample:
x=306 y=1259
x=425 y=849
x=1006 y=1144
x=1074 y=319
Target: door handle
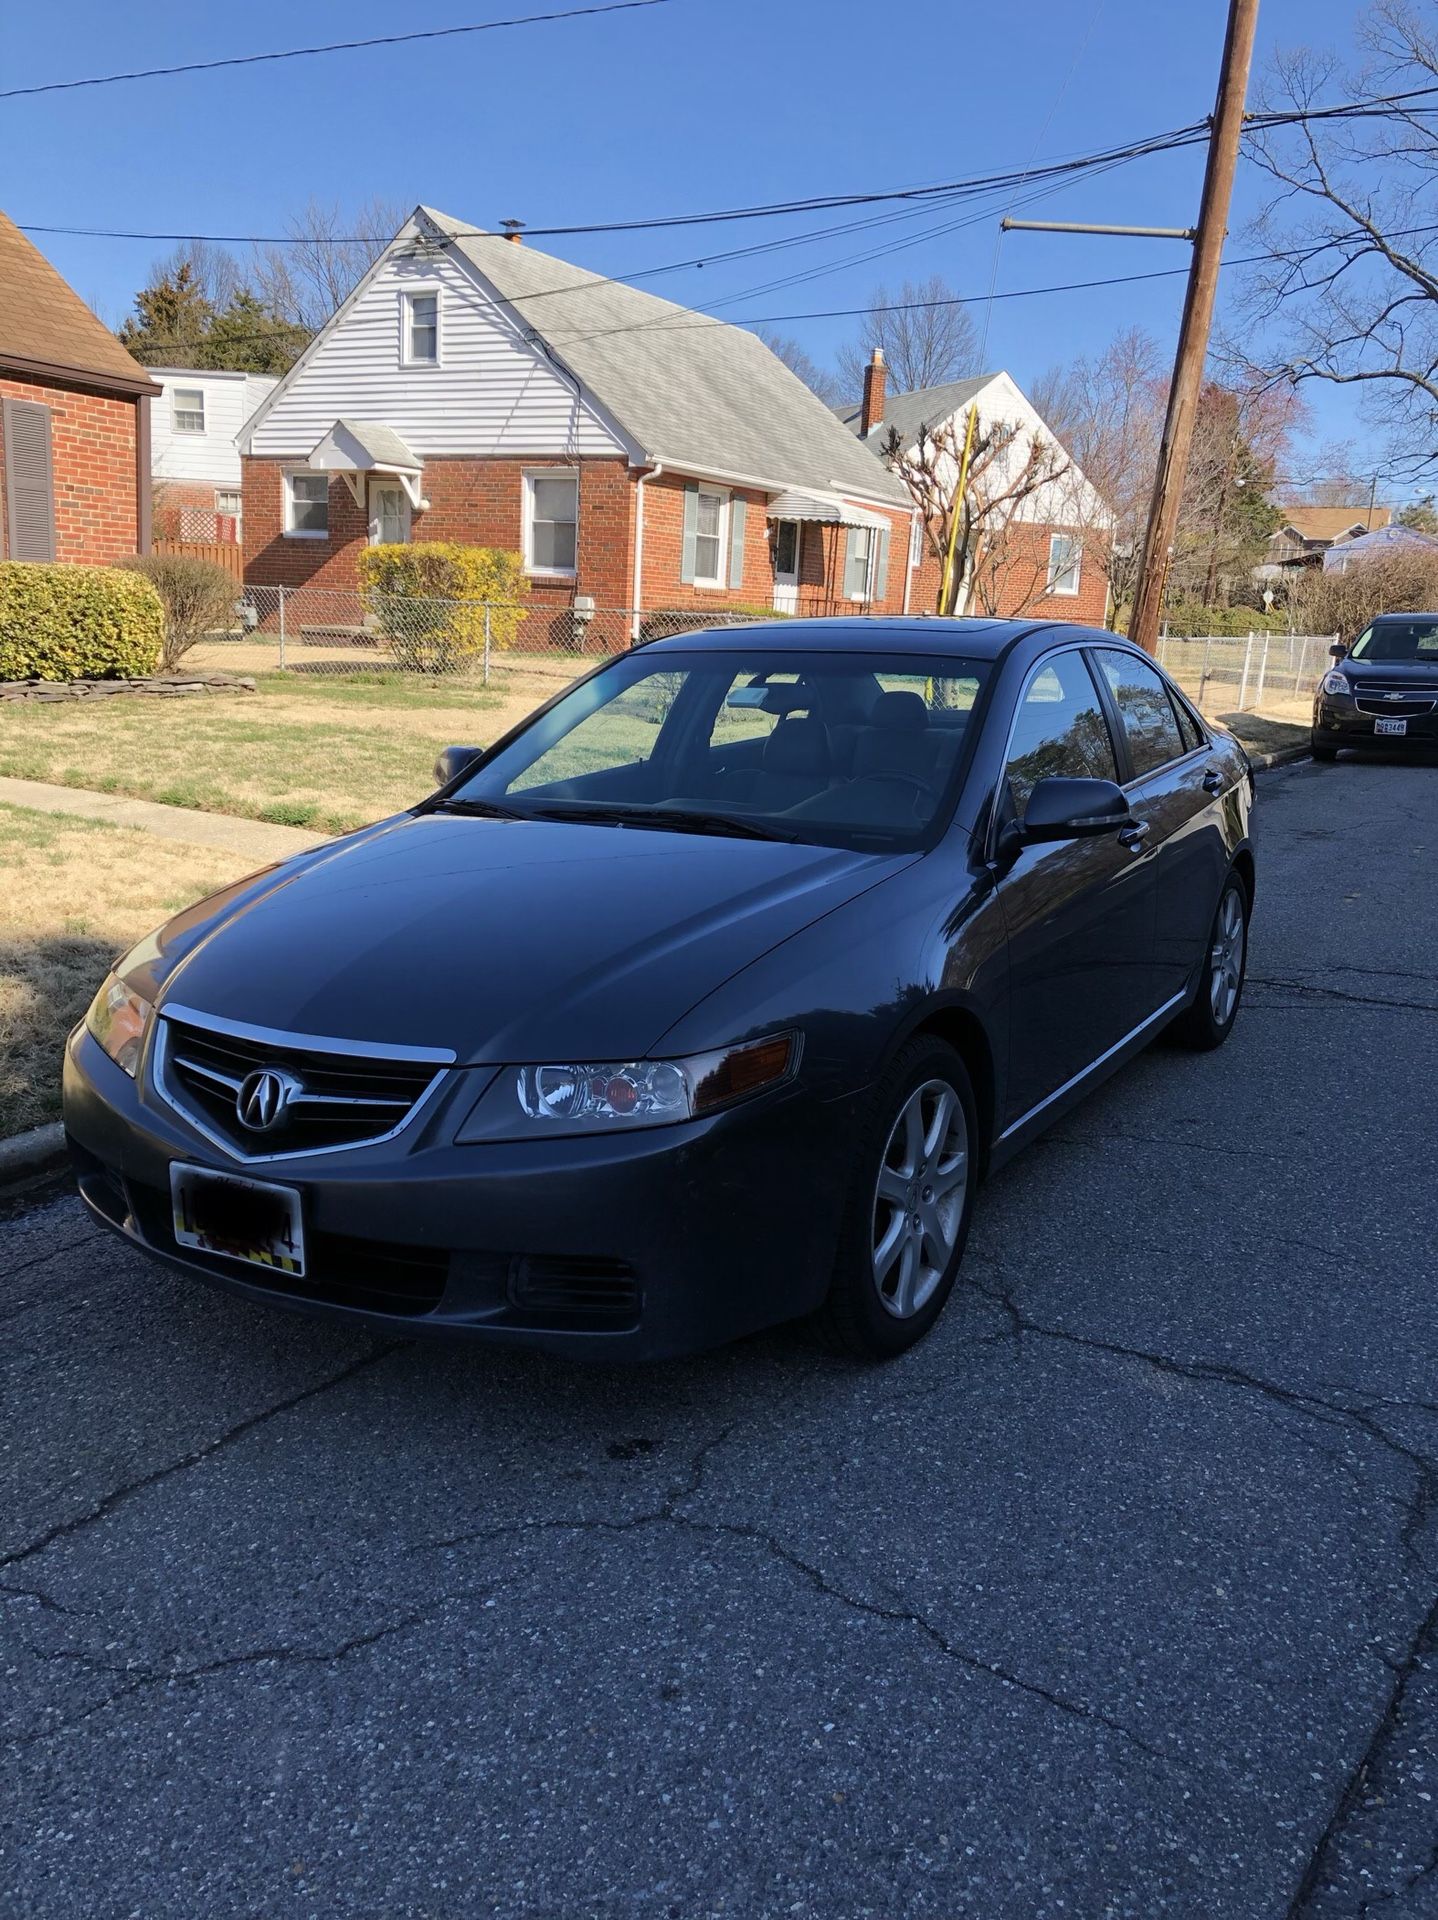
x=1213 y=781
x=1133 y=836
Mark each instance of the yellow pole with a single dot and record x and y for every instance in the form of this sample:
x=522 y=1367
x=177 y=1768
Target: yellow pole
x=958 y=508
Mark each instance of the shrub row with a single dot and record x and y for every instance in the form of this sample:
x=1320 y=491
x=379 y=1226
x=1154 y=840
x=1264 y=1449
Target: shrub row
x=63 y=622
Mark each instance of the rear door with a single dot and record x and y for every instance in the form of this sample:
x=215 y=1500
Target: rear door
x=1175 y=782
x=1079 y=913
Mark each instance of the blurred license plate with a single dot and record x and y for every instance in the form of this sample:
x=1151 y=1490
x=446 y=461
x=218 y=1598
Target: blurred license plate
x=1390 y=726
x=245 y=1220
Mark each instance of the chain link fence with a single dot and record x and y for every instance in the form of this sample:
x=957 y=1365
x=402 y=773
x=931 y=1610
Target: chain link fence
x=325 y=631
x=1273 y=674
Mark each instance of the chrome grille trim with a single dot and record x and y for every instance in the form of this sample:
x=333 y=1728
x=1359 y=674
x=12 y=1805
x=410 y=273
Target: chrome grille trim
x=165 y=1064
x=1394 y=704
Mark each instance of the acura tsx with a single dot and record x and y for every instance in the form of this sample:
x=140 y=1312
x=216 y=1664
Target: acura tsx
x=702 y=1000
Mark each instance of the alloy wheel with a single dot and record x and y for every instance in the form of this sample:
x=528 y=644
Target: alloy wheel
x=1226 y=957
x=919 y=1198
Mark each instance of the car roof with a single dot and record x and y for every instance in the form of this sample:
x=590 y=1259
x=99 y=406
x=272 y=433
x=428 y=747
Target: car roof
x=861 y=633
x=1383 y=619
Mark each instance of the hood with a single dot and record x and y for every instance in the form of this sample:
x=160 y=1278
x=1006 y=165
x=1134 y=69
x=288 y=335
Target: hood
x=1421 y=675
x=506 y=940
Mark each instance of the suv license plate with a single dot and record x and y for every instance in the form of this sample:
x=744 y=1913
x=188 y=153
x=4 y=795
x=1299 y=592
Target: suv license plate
x=1390 y=726
x=246 y=1220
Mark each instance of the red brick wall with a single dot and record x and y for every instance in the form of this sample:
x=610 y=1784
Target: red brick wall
x=477 y=502
x=664 y=551
x=92 y=450
x=1014 y=578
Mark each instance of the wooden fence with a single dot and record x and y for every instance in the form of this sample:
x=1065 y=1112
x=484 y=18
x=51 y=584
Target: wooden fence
x=225 y=553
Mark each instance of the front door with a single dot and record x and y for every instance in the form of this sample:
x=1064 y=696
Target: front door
x=786 y=566
x=388 y=514
x=1079 y=913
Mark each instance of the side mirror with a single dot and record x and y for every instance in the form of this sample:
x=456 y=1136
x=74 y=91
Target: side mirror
x=453 y=761
x=1061 y=809
x=1339 y=650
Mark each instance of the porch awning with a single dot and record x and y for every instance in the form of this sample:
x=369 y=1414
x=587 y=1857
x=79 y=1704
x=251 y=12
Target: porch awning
x=812 y=506
x=355 y=448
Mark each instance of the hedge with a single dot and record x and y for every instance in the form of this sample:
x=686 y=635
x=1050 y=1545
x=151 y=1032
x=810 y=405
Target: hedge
x=62 y=622
x=198 y=597
x=424 y=595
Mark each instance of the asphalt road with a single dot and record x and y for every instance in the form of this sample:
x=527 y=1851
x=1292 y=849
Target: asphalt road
x=1118 y=1598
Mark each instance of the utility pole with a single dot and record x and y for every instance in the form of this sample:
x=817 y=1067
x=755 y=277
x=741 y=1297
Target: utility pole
x=1226 y=131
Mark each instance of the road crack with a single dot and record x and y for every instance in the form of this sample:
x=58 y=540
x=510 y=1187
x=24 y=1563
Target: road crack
x=120 y=1496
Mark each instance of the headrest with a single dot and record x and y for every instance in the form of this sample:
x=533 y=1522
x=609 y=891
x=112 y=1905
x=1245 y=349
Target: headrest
x=784 y=696
x=904 y=712
x=797 y=746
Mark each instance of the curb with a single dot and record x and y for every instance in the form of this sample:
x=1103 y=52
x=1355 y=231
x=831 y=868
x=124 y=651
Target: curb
x=29 y=1158
x=1280 y=757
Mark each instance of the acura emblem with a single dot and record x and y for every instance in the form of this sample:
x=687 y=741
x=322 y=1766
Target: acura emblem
x=263 y=1101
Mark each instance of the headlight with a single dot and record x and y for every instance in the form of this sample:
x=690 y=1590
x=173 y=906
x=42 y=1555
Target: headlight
x=1336 y=682
x=118 y=1019
x=598 y=1096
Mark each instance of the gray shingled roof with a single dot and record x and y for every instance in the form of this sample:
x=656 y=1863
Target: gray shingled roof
x=693 y=392
x=381 y=443
x=923 y=407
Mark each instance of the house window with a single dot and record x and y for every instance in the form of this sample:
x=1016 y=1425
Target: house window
x=710 y=512
x=1065 y=559
x=187 y=410
x=859 y=563
x=916 y=542
x=228 y=503
x=551 y=522
x=307 y=505
x=421 y=329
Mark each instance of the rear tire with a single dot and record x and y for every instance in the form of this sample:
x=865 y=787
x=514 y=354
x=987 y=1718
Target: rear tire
x=911 y=1195
x=1209 y=1021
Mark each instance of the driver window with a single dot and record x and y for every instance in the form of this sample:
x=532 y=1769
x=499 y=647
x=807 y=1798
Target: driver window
x=1059 y=729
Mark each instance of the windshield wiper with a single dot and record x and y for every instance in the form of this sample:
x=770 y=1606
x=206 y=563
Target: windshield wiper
x=485 y=809
x=666 y=819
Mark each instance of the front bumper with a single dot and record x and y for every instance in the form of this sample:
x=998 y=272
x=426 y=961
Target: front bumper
x=639 y=1246
x=1338 y=721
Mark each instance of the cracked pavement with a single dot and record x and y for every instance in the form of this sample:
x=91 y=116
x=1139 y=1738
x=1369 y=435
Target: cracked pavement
x=1117 y=1598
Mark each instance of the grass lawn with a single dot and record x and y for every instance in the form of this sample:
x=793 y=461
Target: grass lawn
x=298 y=752
x=73 y=895
x=1262 y=734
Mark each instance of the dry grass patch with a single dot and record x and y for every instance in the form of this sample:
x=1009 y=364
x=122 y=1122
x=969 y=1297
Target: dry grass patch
x=74 y=894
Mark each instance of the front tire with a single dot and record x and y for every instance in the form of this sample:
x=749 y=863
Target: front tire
x=1209 y=1021
x=1322 y=751
x=910 y=1201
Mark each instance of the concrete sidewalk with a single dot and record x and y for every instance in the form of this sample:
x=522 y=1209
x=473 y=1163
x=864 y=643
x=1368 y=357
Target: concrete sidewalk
x=253 y=838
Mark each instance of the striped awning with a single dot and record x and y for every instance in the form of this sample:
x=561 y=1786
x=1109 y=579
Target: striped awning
x=812 y=506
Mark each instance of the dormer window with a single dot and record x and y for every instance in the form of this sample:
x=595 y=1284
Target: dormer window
x=419 y=340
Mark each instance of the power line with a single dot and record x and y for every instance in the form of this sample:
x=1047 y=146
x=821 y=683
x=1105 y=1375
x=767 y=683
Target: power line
x=333 y=46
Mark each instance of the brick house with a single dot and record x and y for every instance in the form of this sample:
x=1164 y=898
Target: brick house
x=74 y=421
x=194 y=455
x=1042 y=559
x=631 y=450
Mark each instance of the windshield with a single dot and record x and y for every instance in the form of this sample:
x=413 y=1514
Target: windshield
x=1399 y=640
x=842 y=749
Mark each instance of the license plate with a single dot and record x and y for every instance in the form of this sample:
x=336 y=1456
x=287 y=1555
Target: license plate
x=1390 y=726
x=246 y=1220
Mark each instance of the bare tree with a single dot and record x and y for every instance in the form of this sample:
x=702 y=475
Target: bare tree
x=1334 y=481
x=305 y=281
x=995 y=559
x=927 y=336
x=1349 y=293
x=787 y=349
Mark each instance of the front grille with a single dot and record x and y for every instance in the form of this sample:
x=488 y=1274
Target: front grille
x=1410 y=707
x=376 y=1276
x=335 y=1099
x=573 y=1287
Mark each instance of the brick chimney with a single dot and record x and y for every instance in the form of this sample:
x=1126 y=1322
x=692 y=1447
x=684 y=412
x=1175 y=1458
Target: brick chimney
x=512 y=232
x=871 y=411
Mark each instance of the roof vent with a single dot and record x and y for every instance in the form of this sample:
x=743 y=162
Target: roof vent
x=513 y=232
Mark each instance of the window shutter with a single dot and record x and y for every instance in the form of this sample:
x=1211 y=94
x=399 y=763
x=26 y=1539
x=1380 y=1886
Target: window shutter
x=29 y=481
x=881 y=567
x=691 y=532
x=851 y=557
x=737 y=511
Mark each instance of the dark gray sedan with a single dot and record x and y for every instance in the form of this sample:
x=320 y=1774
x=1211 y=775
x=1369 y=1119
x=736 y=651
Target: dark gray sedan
x=701 y=1001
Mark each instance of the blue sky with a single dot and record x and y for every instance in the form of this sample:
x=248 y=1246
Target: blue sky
x=697 y=104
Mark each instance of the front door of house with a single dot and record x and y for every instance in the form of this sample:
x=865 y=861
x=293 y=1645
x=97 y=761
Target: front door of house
x=388 y=514
x=786 y=566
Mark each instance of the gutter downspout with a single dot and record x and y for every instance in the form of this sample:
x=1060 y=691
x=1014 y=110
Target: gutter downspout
x=908 y=569
x=650 y=473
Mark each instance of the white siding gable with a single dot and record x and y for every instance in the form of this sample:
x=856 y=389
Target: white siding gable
x=210 y=458
x=491 y=393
